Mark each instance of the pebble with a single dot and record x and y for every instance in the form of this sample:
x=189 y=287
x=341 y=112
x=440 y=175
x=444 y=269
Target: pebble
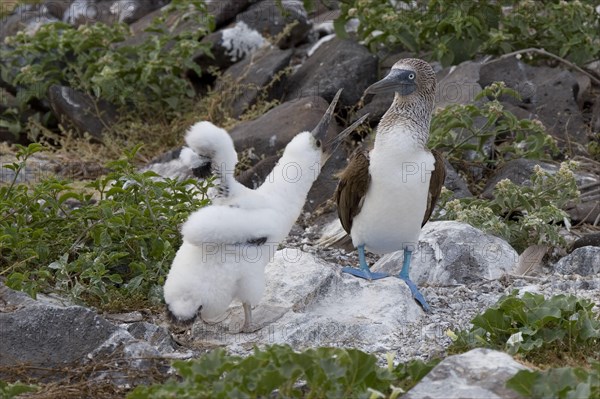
x=455 y=306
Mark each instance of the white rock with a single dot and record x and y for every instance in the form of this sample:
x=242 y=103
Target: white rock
x=308 y=303
x=451 y=252
x=479 y=373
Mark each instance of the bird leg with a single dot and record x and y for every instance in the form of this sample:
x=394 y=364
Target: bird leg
x=247 y=317
x=364 y=271
x=413 y=288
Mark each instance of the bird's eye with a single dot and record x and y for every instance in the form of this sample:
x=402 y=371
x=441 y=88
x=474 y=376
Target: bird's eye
x=318 y=143
x=411 y=76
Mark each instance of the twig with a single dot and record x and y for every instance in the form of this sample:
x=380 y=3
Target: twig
x=543 y=52
x=583 y=219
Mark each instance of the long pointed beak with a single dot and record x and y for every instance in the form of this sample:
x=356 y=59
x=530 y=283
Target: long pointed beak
x=332 y=145
x=398 y=81
x=337 y=140
x=320 y=131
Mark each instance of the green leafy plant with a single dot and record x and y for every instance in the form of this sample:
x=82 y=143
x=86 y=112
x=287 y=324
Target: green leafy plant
x=534 y=327
x=280 y=371
x=114 y=239
x=9 y=391
x=561 y=383
x=106 y=63
x=452 y=31
x=488 y=133
x=523 y=215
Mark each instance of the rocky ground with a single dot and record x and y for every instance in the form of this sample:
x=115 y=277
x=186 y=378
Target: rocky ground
x=307 y=303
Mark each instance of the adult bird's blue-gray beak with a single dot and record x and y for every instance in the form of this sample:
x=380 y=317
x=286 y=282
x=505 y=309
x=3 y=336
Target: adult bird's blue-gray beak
x=400 y=81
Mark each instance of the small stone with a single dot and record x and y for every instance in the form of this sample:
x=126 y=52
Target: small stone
x=479 y=373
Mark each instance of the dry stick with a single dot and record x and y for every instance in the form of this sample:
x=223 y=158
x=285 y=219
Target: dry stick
x=587 y=216
x=541 y=51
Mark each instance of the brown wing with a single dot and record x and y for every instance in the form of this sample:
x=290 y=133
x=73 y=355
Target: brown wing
x=352 y=188
x=435 y=184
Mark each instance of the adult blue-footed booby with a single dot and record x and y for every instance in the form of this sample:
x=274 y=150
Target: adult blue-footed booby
x=227 y=245
x=386 y=195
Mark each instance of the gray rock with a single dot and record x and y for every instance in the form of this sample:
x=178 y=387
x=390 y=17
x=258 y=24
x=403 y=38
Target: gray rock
x=129 y=11
x=272 y=131
x=256 y=175
x=83 y=12
x=549 y=93
x=157 y=336
x=455 y=183
x=129 y=317
x=595 y=122
x=135 y=360
x=323 y=188
x=252 y=75
x=81 y=111
x=513 y=73
x=556 y=106
x=590 y=239
x=354 y=69
x=47 y=335
x=479 y=373
x=376 y=107
x=268 y=18
x=29 y=18
x=460 y=86
x=584 y=88
x=584 y=261
x=50 y=337
x=518 y=171
x=450 y=252
x=175 y=22
x=224 y=11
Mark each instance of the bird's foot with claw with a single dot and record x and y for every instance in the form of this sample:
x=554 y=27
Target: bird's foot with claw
x=367 y=275
x=417 y=294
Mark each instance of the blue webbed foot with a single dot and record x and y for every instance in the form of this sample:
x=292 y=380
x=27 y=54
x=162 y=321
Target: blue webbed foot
x=366 y=274
x=413 y=287
x=416 y=294
x=364 y=271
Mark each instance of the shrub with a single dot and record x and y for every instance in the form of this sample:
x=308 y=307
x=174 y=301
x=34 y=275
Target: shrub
x=561 y=383
x=499 y=137
x=99 y=60
x=562 y=330
x=116 y=238
x=523 y=215
x=9 y=391
x=313 y=373
x=534 y=327
x=452 y=31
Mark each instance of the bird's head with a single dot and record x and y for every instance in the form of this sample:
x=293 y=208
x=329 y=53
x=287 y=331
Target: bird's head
x=183 y=313
x=409 y=77
x=212 y=144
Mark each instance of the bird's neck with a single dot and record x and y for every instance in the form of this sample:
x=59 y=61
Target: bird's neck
x=406 y=122
x=290 y=181
x=224 y=177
